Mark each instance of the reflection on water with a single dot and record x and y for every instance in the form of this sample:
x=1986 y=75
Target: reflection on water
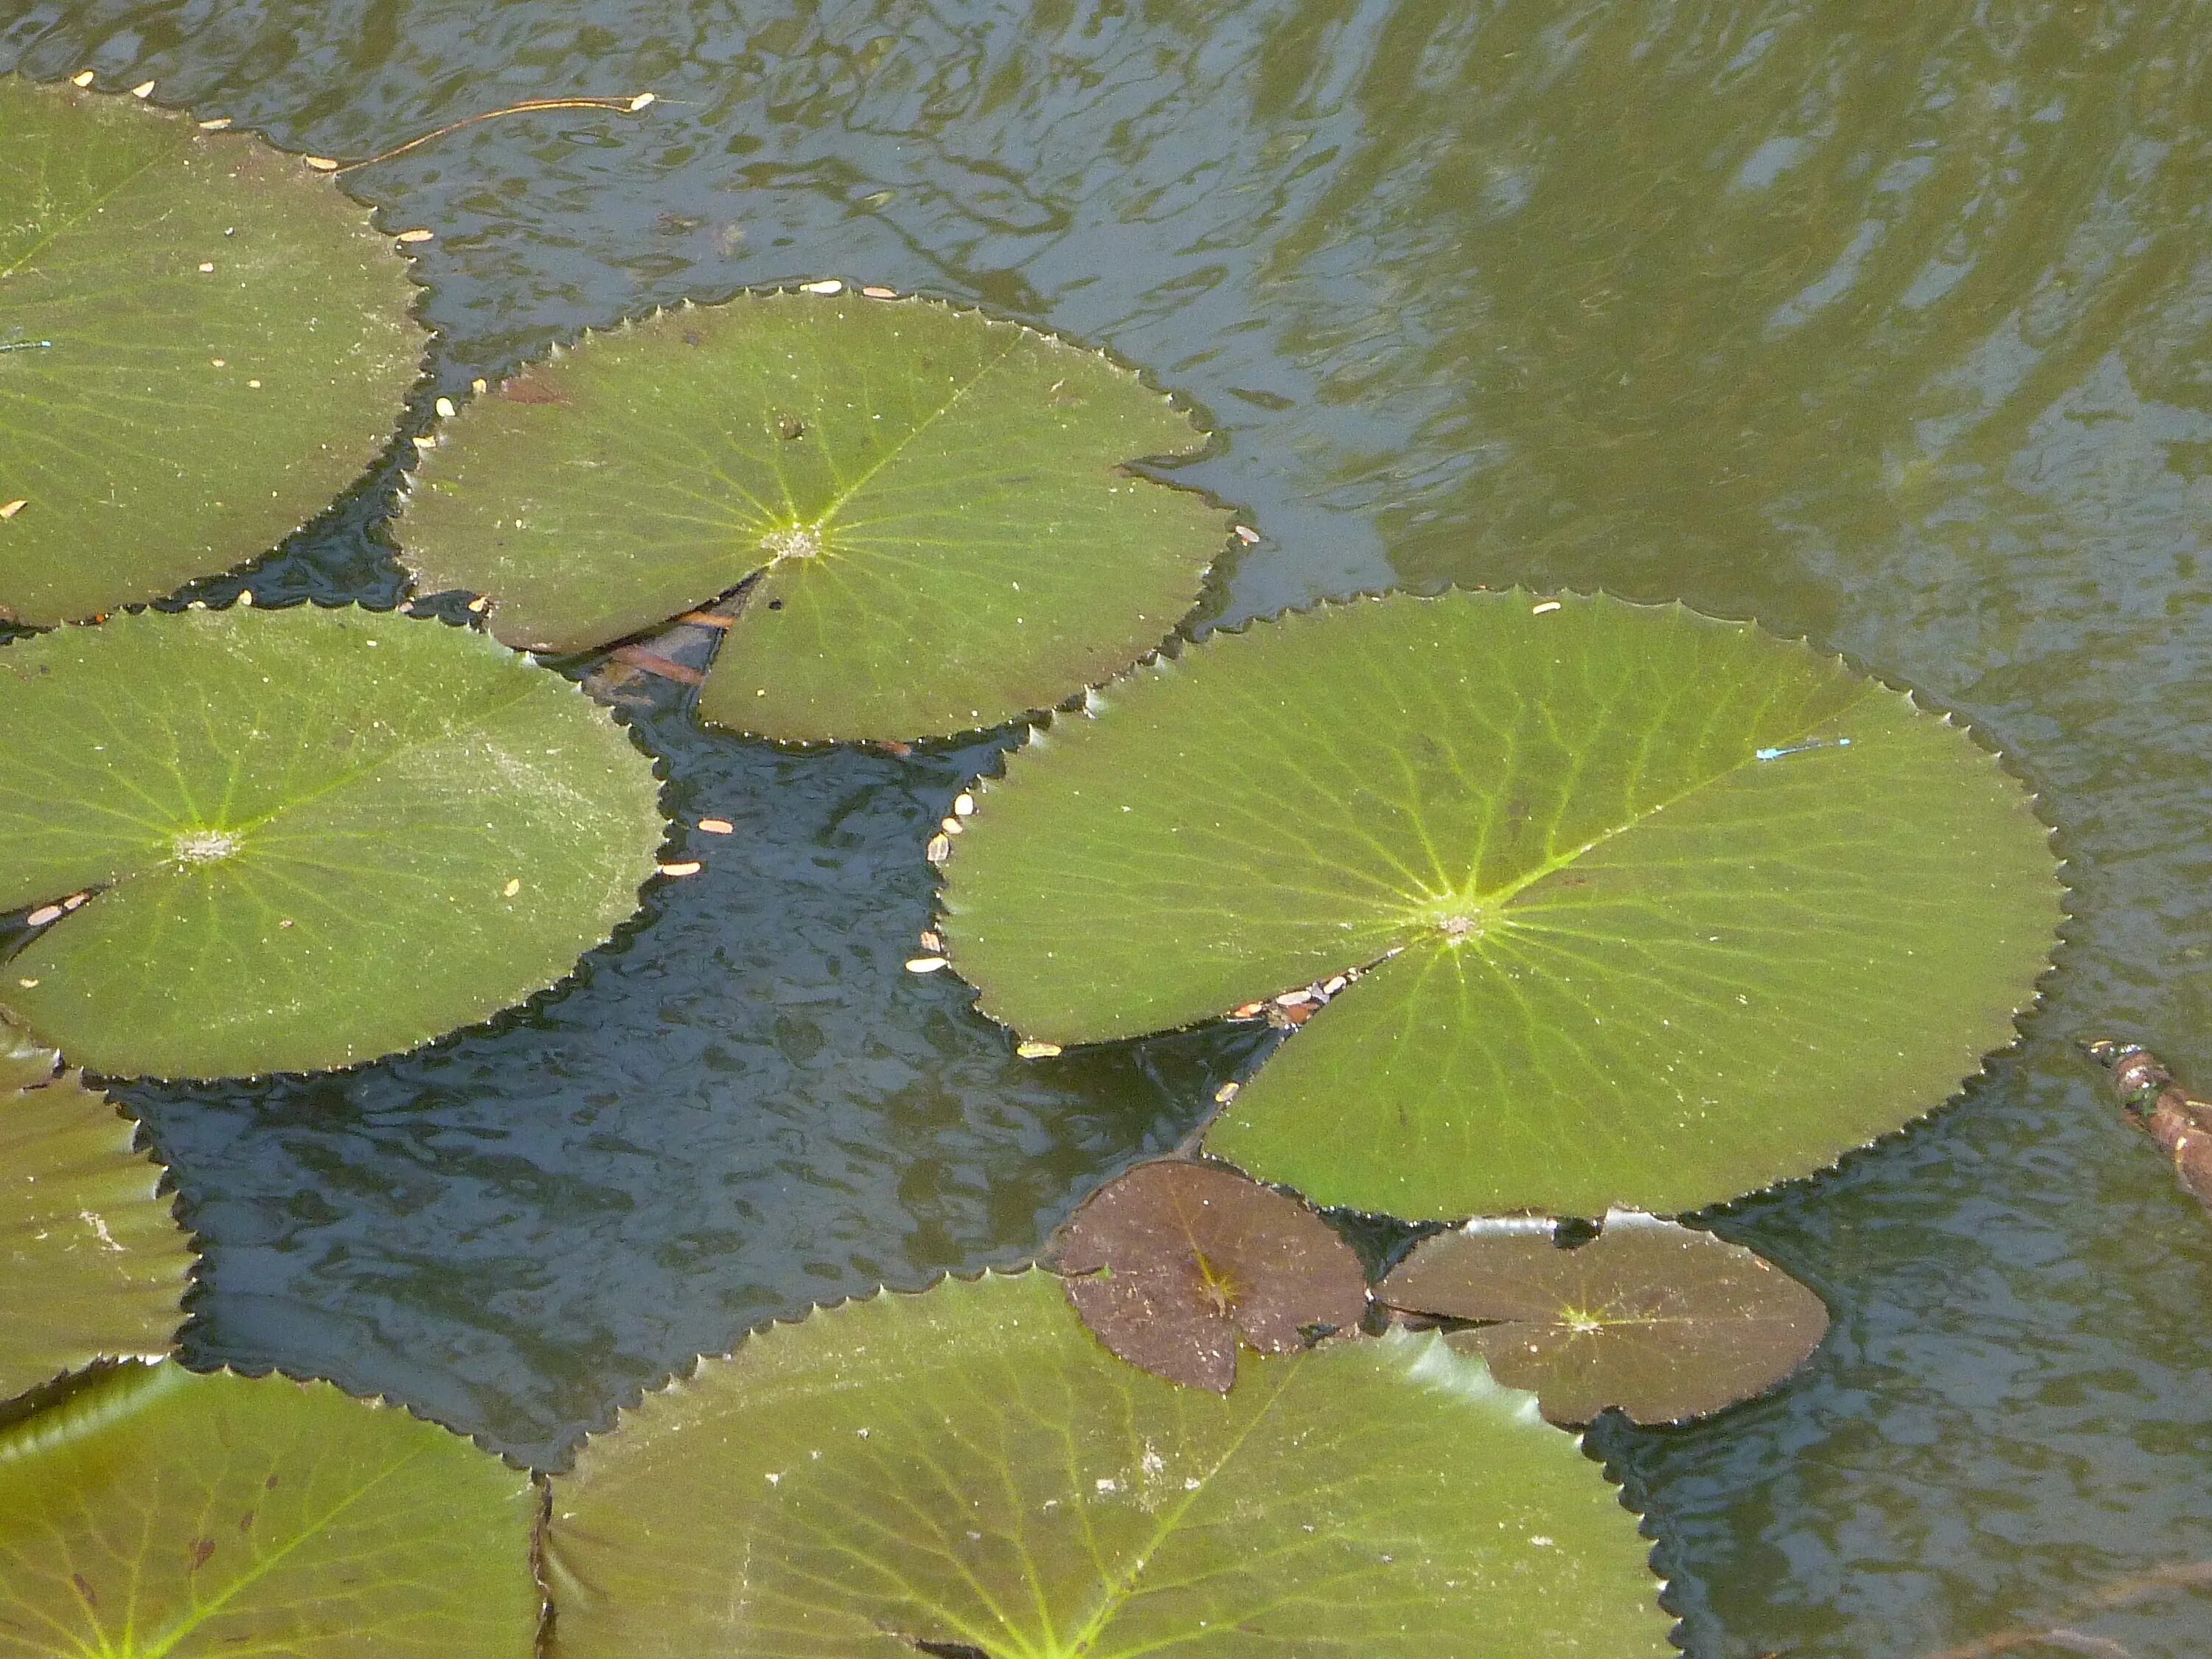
x=1882 y=322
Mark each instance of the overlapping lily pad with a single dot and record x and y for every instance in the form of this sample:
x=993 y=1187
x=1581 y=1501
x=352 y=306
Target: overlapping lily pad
x=937 y=508
x=93 y=1264
x=156 y=1512
x=1662 y=1320
x=310 y=838
x=1173 y=1264
x=202 y=341
x=1656 y=909
x=966 y=1473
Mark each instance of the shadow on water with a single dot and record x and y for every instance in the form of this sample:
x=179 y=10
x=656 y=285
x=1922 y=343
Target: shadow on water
x=1884 y=323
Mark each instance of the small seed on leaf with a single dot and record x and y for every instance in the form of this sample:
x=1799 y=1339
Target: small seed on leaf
x=26 y=983
x=43 y=914
x=444 y=407
x=1293 y=999
x=643 y=101
x=683 y=868
x=511 y=887
x=938 y=850
x=143 y=89
x=74 y=900
x=924 y=964
x=1036 y=1050
x=207 y=267
x=1248 y=1010
x=216 y=125
x=1545 y=609
x=418 y=234
x=952 y=826
x=717 y=826
x=1226 y=1093
x=964 y=805
x=13 y=507
x=876 y=293
x=321 y=163
x=479 y=606
x=827 y=285
x=82 y=78
x=931 y=940
x=479 y=385
x=1247 y=535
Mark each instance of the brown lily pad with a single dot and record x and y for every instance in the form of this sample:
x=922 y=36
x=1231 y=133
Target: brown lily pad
x=1175 y=1263
x=1662 y=1320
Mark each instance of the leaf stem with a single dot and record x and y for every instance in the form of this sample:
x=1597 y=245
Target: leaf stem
x=630 y=105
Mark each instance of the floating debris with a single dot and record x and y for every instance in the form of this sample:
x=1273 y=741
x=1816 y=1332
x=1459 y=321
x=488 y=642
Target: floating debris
x=681 y=868
x=1247 y=535
x=925 y=964
x=82 y=78
x=43 y=914
x=718 y=826
x=1226 y=1093
x=1033 y=1050
x=417 y=234
x=2159 y=1106
x=878 y=293
x=826 y=285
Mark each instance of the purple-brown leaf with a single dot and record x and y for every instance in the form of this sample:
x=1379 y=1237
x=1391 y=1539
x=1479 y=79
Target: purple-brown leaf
x=1174 y=1263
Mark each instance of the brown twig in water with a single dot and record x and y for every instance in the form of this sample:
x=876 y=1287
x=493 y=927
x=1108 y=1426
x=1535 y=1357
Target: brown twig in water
x=2161 y=1108
x=620 y=106
x=2177 y=1574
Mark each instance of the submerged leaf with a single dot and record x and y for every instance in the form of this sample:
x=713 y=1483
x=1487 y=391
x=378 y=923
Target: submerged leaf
x=1655 y=909
x=1661 y=1321
x=202 y=342
x=965 y=1472
x=313 y=836
x=1171 y=1263
x=937 y=507
x=93 y=1264
x=154 y=1511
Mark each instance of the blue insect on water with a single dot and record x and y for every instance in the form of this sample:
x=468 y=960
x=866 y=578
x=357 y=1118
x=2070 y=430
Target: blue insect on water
x=1801 y=748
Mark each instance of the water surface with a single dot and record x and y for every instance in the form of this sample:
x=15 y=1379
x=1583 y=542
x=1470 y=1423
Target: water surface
x=1886 y=323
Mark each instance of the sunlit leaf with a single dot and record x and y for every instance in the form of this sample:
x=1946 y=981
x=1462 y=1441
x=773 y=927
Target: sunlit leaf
x=310 y=836
x=966 y=1473
x=1661 y=1321
x=1656 y=909
x=1171 y=1264
x=93 y=1264
x=202 y=341
x=155 y=1514
x=936 y=506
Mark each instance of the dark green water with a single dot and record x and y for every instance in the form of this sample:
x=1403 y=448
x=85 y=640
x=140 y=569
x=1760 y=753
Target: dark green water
x=1886 y=323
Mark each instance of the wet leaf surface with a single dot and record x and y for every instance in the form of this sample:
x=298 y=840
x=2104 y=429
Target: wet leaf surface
x=202 y=342
x=93 y=1264
x=1662 y=1320
x=156 y=1512
x=967 y=1472
x=936 y=506
x=1654 y=909
x=312 y=837
x=1171 y=1264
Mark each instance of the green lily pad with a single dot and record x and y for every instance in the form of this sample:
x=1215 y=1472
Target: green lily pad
x=1655 y=909
x=202 y=341
x=156 y=1514
x=93 y=1264
x=936 y=507
x=310 y=836
x=966 y=1473
x=1662 y=1320
x=1172 y=1264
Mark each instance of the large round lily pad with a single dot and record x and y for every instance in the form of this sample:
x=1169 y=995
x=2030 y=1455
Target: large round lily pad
x=155 y=1514
x=202 y=341
x=966 y=1473
x=936 y=506
x=311 y=838
x=93 y=1264
x=1656 y=909
x=1662 y=1320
